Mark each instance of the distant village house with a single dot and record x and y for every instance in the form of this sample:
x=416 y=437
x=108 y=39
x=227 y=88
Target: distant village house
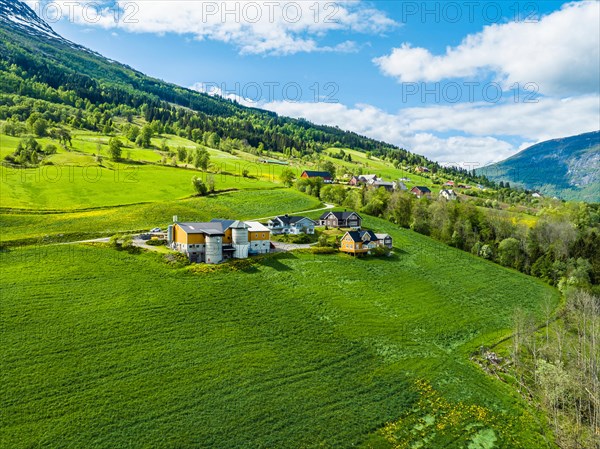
x=309 y=174
x=363 y=179
x=449 y=195
x=421 y=191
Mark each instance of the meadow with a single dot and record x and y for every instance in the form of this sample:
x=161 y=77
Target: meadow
x=35 y=226
x=103 y=348
x=75 y=179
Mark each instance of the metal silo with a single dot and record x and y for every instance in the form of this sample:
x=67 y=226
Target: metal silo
x=239 y=235
x=214 y=249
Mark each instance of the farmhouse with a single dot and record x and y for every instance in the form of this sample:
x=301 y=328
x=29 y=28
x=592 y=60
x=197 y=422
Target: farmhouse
x=421 y=191
x=341 y=220
x=219 y=240
x=308 y=174
x=362 y=242
x=363 y=179
x=287 y=224
x=449 y=195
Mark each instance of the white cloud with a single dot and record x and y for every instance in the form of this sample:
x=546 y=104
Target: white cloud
x=216 y=91
x=253 y=26
x=560 y=53
x=549 y=118
x=479 y=133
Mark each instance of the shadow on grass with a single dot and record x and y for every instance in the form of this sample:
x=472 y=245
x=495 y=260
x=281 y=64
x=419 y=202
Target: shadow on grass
x=274 y=261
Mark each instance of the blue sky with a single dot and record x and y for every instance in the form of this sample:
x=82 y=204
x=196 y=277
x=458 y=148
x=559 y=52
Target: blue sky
x=461 y=82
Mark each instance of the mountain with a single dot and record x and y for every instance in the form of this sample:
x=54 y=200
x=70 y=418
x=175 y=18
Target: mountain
x=568 y=168
x=20 y=16
x=43 y=73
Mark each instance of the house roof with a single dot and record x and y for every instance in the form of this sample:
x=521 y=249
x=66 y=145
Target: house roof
x=422 y=189
x=340 y=215
x=317 y=174
x=358 y=236
x=382 y=236
x=383 y=184
x=354 y=235
x=371 y=234
x=448 y=192
x=202 y=228
x=291 y=219
x=368 y=177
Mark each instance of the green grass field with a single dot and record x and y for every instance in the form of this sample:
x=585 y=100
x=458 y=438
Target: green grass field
x=74 y=180
x=105 y=349
x=243 y=205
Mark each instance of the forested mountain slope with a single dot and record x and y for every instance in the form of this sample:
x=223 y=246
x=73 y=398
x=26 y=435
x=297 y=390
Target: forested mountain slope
x=38 y=64
x=568 y=168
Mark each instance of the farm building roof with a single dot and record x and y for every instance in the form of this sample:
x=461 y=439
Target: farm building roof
x=255 y=226
x=235 y=224
x=202 y=228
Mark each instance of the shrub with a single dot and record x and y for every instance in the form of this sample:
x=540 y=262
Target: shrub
x=50 y=149
x=115 y=148
x=156 y=242
x=381 y=251
x=323 y=250
x=199 y=186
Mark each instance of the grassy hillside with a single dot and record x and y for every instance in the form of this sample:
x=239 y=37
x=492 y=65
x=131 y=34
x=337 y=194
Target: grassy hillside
x=568 y=168
x=324 y=357
x=73 y=179
x=37 y=226
x=107 y=349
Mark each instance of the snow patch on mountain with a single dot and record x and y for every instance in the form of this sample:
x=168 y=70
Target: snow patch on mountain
x=21 y=16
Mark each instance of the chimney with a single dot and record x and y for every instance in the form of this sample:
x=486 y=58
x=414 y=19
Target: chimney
x=175 y=220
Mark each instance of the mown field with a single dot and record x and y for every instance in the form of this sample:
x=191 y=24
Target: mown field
x=104 y=349
x=75 y=179
x=34 y=226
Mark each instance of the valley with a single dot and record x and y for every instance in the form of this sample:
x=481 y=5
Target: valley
x=476 y=328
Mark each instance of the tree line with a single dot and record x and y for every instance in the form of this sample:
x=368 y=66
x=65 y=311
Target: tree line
x=562 y=246
x=71 y=86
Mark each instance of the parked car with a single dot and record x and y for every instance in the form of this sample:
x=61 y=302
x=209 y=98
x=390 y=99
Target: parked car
x=155 y=230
